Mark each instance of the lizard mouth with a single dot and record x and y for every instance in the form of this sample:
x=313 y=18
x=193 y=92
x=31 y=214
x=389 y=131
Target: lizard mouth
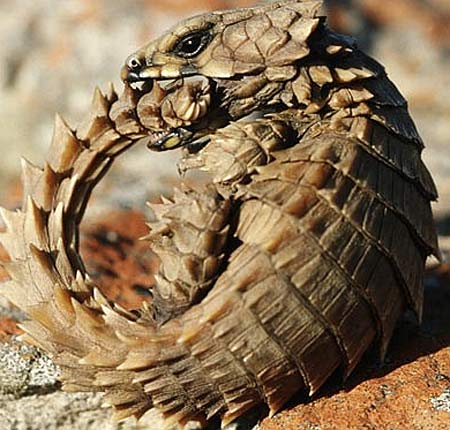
x=191 y=139
x=171 y=139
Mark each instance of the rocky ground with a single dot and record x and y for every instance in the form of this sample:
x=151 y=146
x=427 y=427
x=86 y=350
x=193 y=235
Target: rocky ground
x=53 y=53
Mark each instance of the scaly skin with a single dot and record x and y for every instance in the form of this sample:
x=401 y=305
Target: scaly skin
x=303 y=251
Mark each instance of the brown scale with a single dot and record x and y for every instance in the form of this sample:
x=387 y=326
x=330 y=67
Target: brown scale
x=190 y=245
x=303 y=251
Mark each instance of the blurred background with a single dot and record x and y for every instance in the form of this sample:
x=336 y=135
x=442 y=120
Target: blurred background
x=54 y=52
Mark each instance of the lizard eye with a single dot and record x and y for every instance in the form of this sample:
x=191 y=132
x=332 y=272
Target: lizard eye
x=192 y=44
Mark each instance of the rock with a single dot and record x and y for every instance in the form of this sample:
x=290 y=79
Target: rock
x=410 y=390
x=25 y=370
x=56 y=411
x=117 y=259
x=442 y=402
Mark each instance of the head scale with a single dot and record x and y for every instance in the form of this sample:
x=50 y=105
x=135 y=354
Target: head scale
x=246 y=54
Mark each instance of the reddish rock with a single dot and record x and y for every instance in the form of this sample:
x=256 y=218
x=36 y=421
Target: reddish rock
x=408 y=392
x=396 y=397
x=8 y=327
x=116 y=257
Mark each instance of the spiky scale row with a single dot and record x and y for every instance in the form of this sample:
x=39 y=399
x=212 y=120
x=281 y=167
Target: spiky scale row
x=190 y=245
x=43 y=244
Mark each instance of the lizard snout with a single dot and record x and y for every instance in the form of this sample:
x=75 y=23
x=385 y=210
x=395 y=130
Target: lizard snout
x=131 y=70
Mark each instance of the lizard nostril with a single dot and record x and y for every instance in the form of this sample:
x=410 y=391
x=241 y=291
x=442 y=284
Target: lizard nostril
x=134 y=63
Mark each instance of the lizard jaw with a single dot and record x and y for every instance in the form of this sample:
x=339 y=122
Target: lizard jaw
x=192 y=139
x=163 y=141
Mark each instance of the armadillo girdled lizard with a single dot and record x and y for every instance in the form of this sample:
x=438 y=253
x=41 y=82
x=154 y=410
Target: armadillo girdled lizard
x=303 y=251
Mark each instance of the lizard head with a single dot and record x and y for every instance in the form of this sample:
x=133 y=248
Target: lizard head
x=214 y=68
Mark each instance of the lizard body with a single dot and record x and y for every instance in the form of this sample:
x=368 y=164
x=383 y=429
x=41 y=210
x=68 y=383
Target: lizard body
x=304 y=250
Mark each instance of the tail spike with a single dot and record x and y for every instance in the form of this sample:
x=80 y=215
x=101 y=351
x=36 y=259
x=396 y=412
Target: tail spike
x=30 y=176
x=64 y=148
x=63 y=264
x=14 y=221
x=111 y=94
x=97 y=122
x=55 y=225
x=35 y=226
x=100 y=103
x=46 y=188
